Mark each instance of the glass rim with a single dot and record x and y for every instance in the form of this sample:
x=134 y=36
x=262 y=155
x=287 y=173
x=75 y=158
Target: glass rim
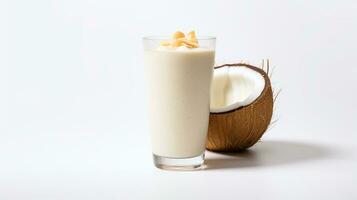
x=165 y=37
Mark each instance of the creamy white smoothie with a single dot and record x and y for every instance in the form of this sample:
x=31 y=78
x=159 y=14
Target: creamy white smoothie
x=179 y=81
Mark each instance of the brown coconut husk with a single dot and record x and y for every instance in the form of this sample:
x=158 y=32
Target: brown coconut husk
x=241 y=128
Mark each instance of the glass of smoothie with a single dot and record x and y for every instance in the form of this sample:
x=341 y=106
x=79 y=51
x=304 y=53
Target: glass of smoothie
x=179 y=72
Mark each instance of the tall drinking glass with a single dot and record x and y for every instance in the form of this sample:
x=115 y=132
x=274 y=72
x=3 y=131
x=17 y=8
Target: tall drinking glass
x=179 y=82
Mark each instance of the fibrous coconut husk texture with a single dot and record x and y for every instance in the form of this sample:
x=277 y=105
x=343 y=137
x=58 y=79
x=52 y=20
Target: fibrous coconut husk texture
x=241 y=128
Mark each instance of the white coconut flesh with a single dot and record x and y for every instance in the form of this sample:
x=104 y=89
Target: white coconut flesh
x=234 y=87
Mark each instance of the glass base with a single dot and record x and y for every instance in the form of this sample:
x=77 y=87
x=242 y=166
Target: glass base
x=182 y=164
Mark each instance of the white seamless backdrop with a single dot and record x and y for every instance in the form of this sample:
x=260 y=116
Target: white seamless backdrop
x=72 y=100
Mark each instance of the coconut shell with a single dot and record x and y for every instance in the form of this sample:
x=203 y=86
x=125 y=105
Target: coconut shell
x=241 y=128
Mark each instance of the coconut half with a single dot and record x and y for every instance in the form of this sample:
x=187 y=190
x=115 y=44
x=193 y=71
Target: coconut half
x=241 y=107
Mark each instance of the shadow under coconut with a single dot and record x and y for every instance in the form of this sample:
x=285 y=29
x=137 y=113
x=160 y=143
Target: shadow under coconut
x=267 y=153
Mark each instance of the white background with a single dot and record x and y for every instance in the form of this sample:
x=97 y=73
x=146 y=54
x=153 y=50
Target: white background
x=72 y=101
